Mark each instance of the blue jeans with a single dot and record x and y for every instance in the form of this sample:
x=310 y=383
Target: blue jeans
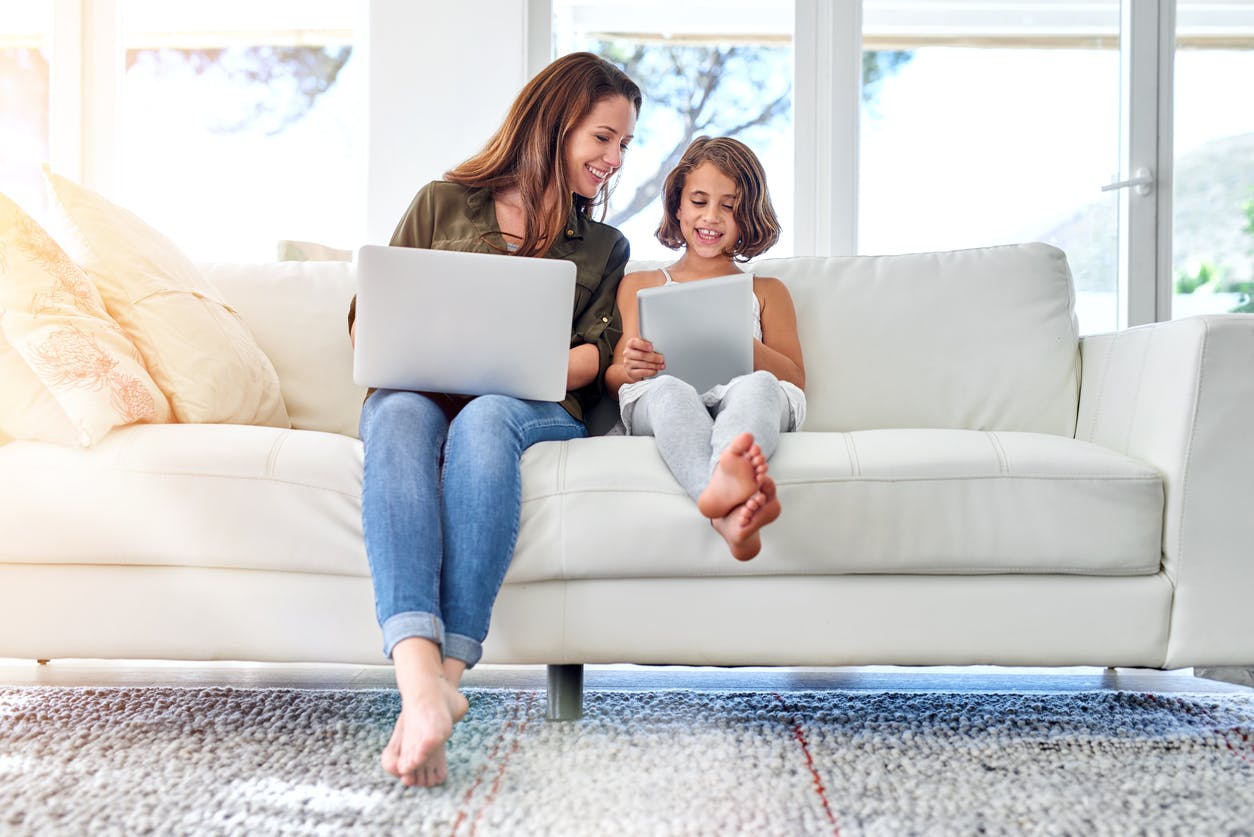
x=441 y=502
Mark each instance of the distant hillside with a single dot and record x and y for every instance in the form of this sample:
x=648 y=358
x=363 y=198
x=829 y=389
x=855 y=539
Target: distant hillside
x=1213 y=182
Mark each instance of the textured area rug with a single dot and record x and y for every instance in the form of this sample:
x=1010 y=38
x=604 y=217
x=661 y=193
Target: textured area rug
x=285 y=761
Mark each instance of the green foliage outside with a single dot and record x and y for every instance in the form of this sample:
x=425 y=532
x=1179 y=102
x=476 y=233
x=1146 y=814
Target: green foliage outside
x=1207 y=278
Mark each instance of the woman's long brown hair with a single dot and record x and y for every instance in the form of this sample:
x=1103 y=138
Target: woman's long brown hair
x=527 y=150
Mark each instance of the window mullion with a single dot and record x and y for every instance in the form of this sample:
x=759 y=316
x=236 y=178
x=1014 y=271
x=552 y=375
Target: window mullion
x=1146 y=144
x=66 y=102
x=103 y=57
x=539 y=36
x=1165 y=150
x=827 y=82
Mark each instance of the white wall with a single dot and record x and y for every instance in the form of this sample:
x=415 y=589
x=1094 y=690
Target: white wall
x=442 y=75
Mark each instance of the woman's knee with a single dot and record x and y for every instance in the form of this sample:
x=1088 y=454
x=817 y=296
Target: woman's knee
x=399 y=409
x=488 y=414
x=490 y=425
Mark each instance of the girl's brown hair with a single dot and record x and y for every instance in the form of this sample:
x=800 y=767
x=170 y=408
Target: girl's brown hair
x=754 y=214
x=527 y=150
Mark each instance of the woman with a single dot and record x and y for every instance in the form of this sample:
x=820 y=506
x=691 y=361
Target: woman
x=441 y=496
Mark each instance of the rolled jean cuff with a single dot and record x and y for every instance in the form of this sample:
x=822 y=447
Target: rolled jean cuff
x=412 y=624
x=463 y=648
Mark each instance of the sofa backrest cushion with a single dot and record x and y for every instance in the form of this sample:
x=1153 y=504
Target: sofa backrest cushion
x=971 y=339
x=980 y=339
x=298 y=313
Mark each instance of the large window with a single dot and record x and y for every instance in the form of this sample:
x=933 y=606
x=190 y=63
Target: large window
x=989 y=123
x=24 y=98
x=995 y=126
x=1213 y=195
x=235 y=124
x=706 y=68
x=230 y=126
x=241 y=124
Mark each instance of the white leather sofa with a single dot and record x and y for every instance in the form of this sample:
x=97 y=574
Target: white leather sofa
x=974 y=485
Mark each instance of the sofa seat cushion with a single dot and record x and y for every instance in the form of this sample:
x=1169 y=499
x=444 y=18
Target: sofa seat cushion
x=193 y=495
x=875 y=501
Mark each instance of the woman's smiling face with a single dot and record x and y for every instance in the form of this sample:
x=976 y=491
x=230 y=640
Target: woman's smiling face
x=595 y=147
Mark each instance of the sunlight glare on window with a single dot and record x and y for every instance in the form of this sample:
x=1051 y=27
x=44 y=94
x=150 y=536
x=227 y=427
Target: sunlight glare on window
x=240 y=124
x=24 y=99
x=705 y=68
x=997 y=126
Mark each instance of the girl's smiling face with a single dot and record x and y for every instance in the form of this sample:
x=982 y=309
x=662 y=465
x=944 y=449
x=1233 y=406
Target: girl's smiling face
x=595 y=147
x=706 y=215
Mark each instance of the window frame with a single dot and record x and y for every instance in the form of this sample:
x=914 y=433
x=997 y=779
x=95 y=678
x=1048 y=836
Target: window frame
x=828 y=41
x=86 y=62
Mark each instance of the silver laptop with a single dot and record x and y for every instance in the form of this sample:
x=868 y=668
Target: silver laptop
x=469 y=323
x=703 y=328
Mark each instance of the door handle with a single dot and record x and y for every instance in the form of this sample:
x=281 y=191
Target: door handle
x=1142 y=179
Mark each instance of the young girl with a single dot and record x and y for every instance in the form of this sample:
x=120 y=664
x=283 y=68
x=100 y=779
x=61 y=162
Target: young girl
x=716 y=443
x=440 y=488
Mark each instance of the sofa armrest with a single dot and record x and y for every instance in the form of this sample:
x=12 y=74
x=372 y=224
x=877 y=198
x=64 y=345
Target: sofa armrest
x=1180 y=396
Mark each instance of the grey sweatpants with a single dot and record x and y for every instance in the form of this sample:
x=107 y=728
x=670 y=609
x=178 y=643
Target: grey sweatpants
x=690 y=436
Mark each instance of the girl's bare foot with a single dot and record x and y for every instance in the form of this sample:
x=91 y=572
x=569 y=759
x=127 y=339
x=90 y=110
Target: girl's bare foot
x=741 y=466
x=740 y=527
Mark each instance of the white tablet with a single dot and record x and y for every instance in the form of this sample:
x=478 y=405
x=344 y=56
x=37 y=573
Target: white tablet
x=703 y=328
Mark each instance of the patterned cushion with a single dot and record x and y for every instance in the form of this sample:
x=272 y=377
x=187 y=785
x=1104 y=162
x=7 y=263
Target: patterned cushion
x=68 y=373
x=197 y=348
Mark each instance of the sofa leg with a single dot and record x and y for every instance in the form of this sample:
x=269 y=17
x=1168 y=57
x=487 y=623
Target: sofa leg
x=1241 y=675
x=565 y=693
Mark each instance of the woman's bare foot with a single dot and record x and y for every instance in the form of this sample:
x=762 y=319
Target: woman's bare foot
x=430 y=705
x=741 y=466
x=740 y=527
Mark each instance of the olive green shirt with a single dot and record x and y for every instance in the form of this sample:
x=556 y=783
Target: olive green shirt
x=449 y=216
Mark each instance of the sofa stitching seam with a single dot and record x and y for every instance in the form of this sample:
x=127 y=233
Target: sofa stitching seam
x=1184 y=463
x=1151 y=336
x=851 y=450
x=1149 y=479
x=1149 y=571
x=264 y=478
x=564 y=576
x=272 y=457
x=1095 y=424
x=1003 y=462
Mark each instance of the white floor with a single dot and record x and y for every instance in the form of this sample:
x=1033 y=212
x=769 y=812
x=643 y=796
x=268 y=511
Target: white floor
x=862 y=678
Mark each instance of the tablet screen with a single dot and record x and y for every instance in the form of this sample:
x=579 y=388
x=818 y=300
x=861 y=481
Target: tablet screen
x=703 y=328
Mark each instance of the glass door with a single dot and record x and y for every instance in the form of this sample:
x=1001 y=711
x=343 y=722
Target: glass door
x=994 y=123
x=1213 y=184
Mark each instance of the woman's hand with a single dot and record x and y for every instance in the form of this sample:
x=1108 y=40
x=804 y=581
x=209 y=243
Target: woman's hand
x=640 y=361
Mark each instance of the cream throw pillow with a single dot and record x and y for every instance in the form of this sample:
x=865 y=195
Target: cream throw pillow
x=196 y=347
x=68 y=373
